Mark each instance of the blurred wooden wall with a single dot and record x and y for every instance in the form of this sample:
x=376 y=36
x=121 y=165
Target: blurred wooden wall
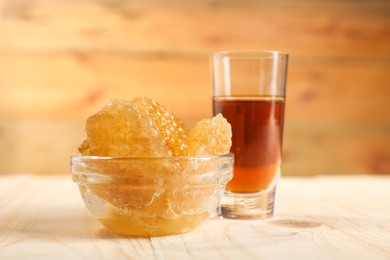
x=61 y=61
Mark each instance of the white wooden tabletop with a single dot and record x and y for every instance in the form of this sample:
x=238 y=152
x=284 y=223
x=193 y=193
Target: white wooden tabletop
x=343 y=217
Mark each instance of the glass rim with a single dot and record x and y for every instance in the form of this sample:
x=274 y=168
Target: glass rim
x=255 y=53
x=249 y=97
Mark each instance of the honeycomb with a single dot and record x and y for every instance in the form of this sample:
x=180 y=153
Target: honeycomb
x=119 y=130
x=172 y=129
x=144 y=128
x=210 y=137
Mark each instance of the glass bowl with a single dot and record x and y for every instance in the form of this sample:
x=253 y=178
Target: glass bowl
x=152 y=196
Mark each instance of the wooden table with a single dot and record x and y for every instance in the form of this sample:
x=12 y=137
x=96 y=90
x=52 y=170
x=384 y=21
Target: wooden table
x=343 y=217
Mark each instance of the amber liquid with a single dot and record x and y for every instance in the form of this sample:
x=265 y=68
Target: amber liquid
x=257 y=126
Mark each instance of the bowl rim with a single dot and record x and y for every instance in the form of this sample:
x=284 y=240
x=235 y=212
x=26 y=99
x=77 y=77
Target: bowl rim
x=86 y=178
x=188 y=157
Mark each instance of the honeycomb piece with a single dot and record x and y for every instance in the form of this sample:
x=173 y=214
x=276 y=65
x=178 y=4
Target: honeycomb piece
x=119 y=130
x=172 y=129
x=210 y=137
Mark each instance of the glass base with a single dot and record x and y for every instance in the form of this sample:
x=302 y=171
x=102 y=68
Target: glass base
x=248 y=205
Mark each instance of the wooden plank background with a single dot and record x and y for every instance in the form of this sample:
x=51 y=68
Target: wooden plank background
x=61 y=61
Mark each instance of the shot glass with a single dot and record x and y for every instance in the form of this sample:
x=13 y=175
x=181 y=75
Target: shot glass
x=249 y=90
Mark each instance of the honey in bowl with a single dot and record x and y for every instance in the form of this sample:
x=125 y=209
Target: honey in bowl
x=142 y=172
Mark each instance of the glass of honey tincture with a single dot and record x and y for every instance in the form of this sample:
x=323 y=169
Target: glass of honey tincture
x=249 y=90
